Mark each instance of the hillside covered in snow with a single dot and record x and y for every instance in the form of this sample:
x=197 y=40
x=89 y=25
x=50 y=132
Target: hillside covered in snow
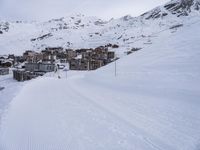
x=79 y=31
x=151 y=103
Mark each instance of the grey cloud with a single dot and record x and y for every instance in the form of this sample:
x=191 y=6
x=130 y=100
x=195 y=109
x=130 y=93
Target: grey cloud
x=47 y=9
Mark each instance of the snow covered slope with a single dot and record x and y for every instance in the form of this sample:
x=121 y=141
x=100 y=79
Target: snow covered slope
x=152 y=104
x=79 y=31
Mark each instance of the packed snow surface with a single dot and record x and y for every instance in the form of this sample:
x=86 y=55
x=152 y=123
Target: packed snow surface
x=9 y=88
x=152 y=104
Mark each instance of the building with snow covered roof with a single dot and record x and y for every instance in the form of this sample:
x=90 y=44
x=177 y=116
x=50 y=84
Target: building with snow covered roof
x=39 y=67
x=6 y=63
x=4 y=71
x=22 y=75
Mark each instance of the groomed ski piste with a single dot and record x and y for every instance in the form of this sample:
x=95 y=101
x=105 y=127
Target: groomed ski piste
x=153 y=103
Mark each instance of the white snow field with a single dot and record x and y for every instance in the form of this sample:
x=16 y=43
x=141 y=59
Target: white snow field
x=152 y=104
x=9 y=88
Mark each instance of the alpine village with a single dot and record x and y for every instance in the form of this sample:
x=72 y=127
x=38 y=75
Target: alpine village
x=33 y=64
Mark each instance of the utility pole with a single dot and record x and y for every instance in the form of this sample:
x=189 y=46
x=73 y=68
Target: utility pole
x=115 y=65
x=88 y=65
x=66 y=74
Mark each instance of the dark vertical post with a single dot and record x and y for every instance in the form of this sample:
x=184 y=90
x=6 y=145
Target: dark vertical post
x=115 y=67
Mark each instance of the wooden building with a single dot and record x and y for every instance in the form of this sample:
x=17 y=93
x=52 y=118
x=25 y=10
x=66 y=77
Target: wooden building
x=49 y=56
x=70 y=54
x=78 y=64
x=6 y=64
x=110 y=55
x=84 y=64
x=92 y=59
x=19 y=59
x=29 y=55
x=55 y=49
x=39 y=67
x=95 y=64
x=4 y=71
x=22 y=75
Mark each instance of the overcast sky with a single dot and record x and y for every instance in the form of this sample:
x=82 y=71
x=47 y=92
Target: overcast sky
x=48 y=9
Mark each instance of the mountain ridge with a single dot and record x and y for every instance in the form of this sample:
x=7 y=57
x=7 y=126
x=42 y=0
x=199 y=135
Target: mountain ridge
x=80 y=31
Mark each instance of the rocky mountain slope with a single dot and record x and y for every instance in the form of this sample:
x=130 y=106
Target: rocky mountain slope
x=79 y=31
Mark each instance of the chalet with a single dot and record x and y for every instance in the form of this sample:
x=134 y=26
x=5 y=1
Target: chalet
x=55 y=49
x=70 y=54
x=61 y=55
x=32 y=70
x=32 y=67
x=78 y=64
x=48 y=56
x=29 y=55
x=32 y=56
x=22 y=75
x=87 y=55
x=39 y=67
x=110 y=55
x=101 y=48
x=4 y=71
x=19 y=59
x=6 y=63
x=99 y=54
x=80 y=51
x=2 y=59
x=46 y=67
x=95 y=64
x=37 y=57
x=63 y=61
x=83 y=64
x=91 y=59
x=11 y=56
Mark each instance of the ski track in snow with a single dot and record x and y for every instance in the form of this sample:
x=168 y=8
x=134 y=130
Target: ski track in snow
x=11 y=89
x=116 y=132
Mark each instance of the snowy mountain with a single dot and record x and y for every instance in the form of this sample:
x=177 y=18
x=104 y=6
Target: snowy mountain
x=152 y=103
x=79 y=31
x=175 y=7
